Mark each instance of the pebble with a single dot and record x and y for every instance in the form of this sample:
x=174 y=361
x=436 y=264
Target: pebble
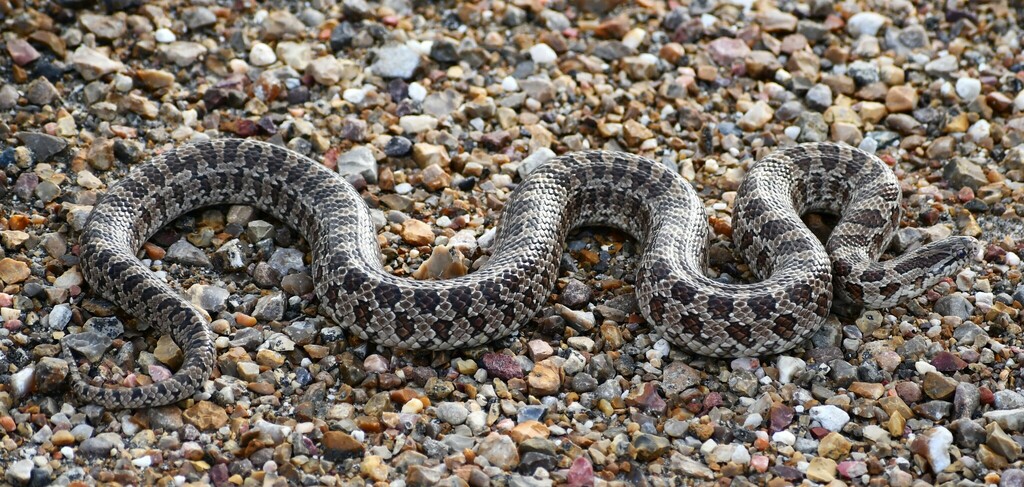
x=261 y=55
x=543 y=54
x=93 y=64
x=43 y=146
x=865 y=23
x=968 y=89
x=396 y=62
x=830 y=417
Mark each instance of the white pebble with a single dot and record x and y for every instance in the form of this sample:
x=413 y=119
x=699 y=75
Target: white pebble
x=740 y=455
x=634 y=38
x=164 y=36
x=789 y=367
x=792 y=132
x=1012 y=259
x=542 y=53
x=417 y=92
x=784 y=437
x=662 y=347
x=1018 y=101
x=354 y=95
x=21 y=382
x=939 y=441
x=923 y=367
x=984 y=299
x=510 y=84
x=965 y=280
x=968 y=88
x=143 y=462
x=68 y=452
x=865 y=24
x=979 y=130
x=830 y=417
x=261 y=55
x=868 y=145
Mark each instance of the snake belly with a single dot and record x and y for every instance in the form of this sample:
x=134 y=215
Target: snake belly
x=642 y=197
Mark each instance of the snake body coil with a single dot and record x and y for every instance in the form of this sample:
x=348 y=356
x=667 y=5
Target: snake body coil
x=642 y=197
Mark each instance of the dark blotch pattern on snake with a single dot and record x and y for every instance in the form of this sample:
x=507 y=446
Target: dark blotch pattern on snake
x=640 y=196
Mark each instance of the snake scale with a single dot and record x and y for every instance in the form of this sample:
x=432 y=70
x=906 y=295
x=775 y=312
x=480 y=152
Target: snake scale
x=644 y=198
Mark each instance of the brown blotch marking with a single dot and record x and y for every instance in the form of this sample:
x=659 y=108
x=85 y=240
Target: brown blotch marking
x=855 y=291
x=890 y=289
x=873 y=275
x=799 y=293
x=867 y=218
x=783 y=326
x=762 y=306
x=692 y=324
x=823 y=303
x=720 y=307
x=738 y=332
x=683 y=292
x=772 y=229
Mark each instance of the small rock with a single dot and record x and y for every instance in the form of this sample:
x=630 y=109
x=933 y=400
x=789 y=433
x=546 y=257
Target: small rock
x=830 y=417
x=756 y=117
x=261 y=55
x=339 y=445
x=93 y=64
x=21 y=52
x=270 y=307
x=13 y=271
x=901 y=99
x=41 y=92
x=543 y=54
x=865 y=23
x=329 y=70
x=206 y=416
x=502 y=366
x=91 y=344
x=650 y=447
x=416 y=232
x=359 y=160
x=499 y=450
x=968 y=89
x=43 y=146
x=954 y=305
x=398 y=61
x=726 y=50
x=454 y=413
x=183 y=252
x=821 y=469
x=168 y=352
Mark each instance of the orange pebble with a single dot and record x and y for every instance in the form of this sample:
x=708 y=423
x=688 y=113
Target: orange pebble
x=244 y=320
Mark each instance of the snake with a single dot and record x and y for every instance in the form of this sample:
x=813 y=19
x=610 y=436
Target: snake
x=797 y=277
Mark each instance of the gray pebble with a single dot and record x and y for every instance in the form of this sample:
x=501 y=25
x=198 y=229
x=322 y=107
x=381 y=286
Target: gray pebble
x=92 y=344
x=109 y=326
x=60 y=315
x=101 y=445
x=183 y=252
x=819 y=97
x=954 y=305
x=454 y=413
x=270 y=307
x=576 y=294
x=398 y=61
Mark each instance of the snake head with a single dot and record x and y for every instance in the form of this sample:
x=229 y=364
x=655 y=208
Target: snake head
x=947 y=257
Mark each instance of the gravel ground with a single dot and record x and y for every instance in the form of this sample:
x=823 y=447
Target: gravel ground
x=435 y=112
